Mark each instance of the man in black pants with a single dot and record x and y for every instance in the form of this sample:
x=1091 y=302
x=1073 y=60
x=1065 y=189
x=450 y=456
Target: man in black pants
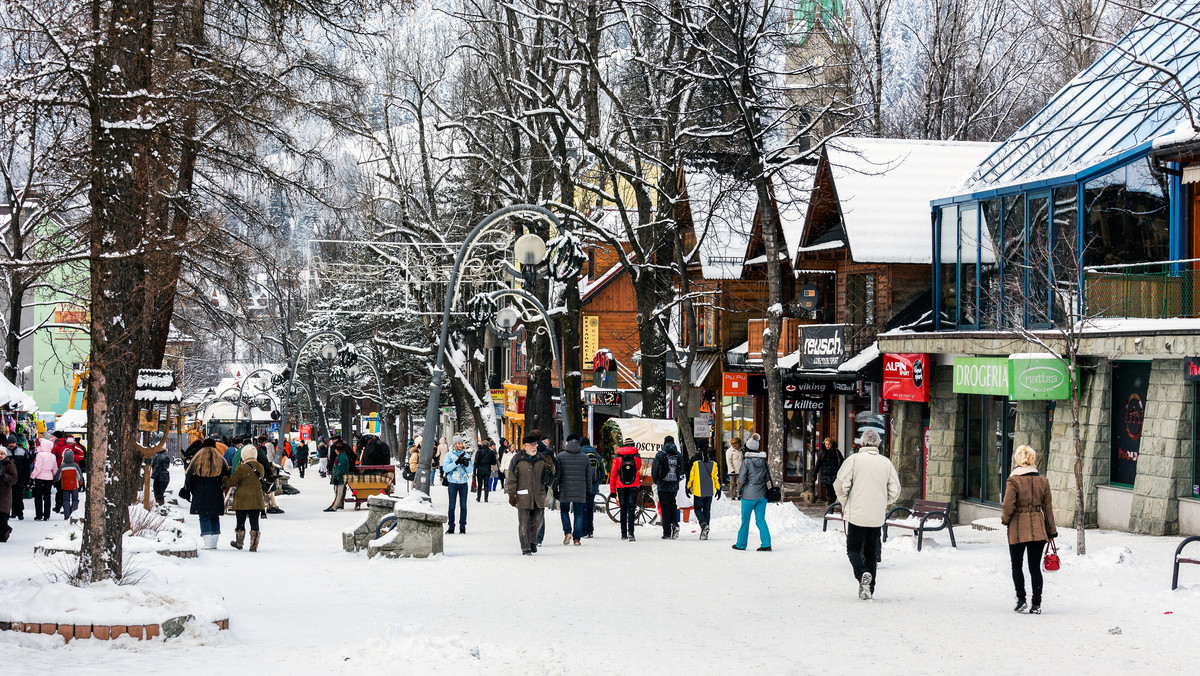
x=866 y=484
x=485 y=458
x=625 y=481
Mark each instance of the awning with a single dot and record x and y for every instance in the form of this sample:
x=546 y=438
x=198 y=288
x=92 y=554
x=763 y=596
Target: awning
x=704 y=364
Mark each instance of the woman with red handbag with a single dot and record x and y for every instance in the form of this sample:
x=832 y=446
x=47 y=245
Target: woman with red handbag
x=1029 y=515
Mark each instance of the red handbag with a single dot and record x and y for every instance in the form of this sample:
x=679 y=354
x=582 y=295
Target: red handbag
x=1052 y=562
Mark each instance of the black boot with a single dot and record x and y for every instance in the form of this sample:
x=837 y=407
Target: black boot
x=1036 y=608
x=1021 y=605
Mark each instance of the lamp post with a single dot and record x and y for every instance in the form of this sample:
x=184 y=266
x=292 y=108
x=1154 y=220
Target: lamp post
x=271 y=381
x=531 y=250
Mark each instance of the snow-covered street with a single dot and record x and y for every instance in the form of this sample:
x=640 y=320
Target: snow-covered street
x=301 y=605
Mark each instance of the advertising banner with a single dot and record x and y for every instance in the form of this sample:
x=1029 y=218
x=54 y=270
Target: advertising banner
x=305 y=432
x=1191 y=369
x=1038 y=376
x=1130 y=383
x=604 y=398
x=906 y=377
x=822 y=346
x=981 y=375
x=734 y=384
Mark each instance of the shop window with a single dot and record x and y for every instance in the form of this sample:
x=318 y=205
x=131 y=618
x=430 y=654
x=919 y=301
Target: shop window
x=1195 y=441
x=706 y=320
x=1038 y=263
x=1130 y=383
x=1065 y=257
x=989 y=423
x=969 y=248
x=991 y=293
x=739 y=418
x=1128 y=217
x=947 y=292
x=860 y=299
x=1012 y=250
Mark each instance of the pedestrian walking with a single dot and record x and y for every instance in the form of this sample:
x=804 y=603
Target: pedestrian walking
x=866 y=484
x=457 y=468
x=337 y=475
x=160 y=475
x=322 y=458
x=22 y=462
x=752 y=479
x=59 y=445
x=1029 y=514
x=625 y=482
x=248 y=501
x=69 y=478
x=528 y=476
x=599 y=476
x=666 y=472
x=414 y=458
x=574 y=481
x=439 y=455
x=270 y=481
x=485 y=461
x=203 y=487
x=42 y=476
x=301 y=459
x=733 y=465
x=8 y=481
x=500 y=462
x=829 y=461
x=704 y=484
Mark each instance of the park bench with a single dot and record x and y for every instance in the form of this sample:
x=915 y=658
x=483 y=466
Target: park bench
x=923 y=511
x=1179 y=559
x=368 y=480
x=833 y=513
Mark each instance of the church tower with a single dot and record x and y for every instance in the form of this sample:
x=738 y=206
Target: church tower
x=818 y=64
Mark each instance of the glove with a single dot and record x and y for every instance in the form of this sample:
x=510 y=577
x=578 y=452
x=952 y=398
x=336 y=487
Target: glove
x=512 y=500
x=718 y=496
x=462 y=460
x=612 y=494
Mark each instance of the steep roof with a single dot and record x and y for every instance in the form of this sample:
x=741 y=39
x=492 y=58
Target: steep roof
x=722 y=210
x=1119 y=104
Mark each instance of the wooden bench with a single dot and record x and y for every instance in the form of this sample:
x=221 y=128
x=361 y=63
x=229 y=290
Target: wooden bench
x=368 y=480
x=1179 y=559
x=925 y=510
x=833 y=513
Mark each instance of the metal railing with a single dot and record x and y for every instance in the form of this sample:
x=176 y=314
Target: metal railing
x=1161 y=289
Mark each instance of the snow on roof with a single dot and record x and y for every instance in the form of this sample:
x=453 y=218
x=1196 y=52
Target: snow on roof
x=793 y=193
x=73 y=420
x=1115 y=105
x=861 y=360
x=884 y=187
x=823 y=246
x=722 y=210
x=12 y=396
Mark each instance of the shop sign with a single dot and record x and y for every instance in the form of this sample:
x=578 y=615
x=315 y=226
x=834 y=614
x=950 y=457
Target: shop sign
x=797 y=382
x=1038 y=377
x=822 y=346
x=611 y=398
x=809 y=297
x=589 y=342
x=734 y=385
x=498 y=396
x=702 y=426
x=1130 y=385
x=1191 y=368
x=981 y=375
x=806 y=403
x=906 y=377
x=305 y=432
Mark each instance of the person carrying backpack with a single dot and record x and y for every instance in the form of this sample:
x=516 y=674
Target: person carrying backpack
x=666 y=472
x=599 y=476
x=625 y=482
x=703 y=484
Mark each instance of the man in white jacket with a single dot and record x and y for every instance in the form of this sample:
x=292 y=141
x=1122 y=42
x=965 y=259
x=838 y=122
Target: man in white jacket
x=866 y=484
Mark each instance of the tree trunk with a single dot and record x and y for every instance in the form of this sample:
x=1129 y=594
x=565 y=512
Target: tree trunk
x=1077 y=439
x=572 y=360
x=775 y=436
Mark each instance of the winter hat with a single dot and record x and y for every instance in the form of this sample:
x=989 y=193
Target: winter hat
x=628 y=441
x=752 y=443
x=209 y=442
x=458 y=439
x=871 y=438
x=249 y=452
x=12 y=439
x=669 y=440
x=68 y=458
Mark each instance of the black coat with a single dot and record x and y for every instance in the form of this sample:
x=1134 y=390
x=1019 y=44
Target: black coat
x=485 y=457
x=829 y=461
x=574 y=478
x=377 y=453
x=8 y=480
x=658 y=470
x=208 y=498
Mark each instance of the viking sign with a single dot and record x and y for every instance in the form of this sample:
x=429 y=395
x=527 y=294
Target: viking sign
x=822 y=346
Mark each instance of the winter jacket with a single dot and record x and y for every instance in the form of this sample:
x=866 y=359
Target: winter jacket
x=866 y=484
x=1027 y=510
x=753 y=475
x=302 y=452
x=245 y=480
x=829 y=461
x=59 y=446
x=574 y=477
x=44 y=465
x=614 y=474
x=68 y=473
x=733 y=459
x=526 y=480
x=341 y=467
x=703 y=480
x=456 y=473
x=207 y=497
x=8 y=479
x=597 y=463
x=377 y=453
x=160 y=467
x=485 y=457
x=661 y=465
x=232 y=455
x=322 y=450
x=414 y=457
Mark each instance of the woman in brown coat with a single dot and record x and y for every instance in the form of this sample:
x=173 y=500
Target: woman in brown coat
x=248 y=500
x=1029 y=515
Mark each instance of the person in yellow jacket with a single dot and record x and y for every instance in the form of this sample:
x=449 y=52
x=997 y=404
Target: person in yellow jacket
x=703 y=484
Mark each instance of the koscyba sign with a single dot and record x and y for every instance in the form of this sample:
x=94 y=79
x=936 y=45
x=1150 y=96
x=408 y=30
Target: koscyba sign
x=906 y=377
x=1021 y=377
x=822 y=346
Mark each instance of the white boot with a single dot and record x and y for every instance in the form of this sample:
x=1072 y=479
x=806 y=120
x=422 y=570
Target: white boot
x=210 y=541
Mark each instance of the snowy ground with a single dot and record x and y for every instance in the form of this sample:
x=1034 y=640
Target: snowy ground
x=303 y=606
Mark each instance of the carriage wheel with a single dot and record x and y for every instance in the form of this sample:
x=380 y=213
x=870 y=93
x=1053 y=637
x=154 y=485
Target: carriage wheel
x=612 y=506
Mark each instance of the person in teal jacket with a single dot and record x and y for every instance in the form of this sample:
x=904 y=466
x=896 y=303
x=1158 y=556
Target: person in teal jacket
x=337 y=477
x=457 y=466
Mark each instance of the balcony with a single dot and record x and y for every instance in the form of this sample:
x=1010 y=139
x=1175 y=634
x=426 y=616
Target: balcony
x=1159 y=290
x=789 y=342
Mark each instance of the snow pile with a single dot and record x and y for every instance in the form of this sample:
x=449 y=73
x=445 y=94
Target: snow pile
x=105 y=603
x=175 y=540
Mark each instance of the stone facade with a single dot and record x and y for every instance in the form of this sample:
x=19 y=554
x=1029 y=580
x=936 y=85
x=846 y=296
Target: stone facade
x=905 y=448
x=1095 y=432
x=944 y=481
x=417 y=535
x=1165 y=453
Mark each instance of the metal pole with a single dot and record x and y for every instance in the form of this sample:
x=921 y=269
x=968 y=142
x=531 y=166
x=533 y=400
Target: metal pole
x=421 y=481
x=525 y=295
x=241 y=390
x=292 y=373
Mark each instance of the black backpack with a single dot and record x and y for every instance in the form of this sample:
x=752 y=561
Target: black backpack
x=597 y=464
x=671 y=475
x=627 y=473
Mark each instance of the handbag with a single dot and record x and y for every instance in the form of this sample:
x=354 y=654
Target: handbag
x=774 y=493
x=1052 y=562
x=184 y=494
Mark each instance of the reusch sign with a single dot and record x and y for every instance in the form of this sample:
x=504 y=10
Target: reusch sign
x=906 y=377
x=822 y=346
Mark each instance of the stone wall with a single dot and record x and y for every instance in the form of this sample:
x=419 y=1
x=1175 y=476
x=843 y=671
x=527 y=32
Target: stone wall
x=1165 y=453
x=944 y=482
x=1095 y=433
x=905 y=448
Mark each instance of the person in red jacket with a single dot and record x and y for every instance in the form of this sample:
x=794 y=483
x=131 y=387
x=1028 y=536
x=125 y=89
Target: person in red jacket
x=625 y=482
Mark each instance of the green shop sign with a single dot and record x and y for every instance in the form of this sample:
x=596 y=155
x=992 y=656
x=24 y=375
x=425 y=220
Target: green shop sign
x=981 y=375
x=1038 y=377
x=1020 y=377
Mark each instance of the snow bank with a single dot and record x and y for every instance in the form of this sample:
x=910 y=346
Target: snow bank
x=105 y=603
x=416 y=502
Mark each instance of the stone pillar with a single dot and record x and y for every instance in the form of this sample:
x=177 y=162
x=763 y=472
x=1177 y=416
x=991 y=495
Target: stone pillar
x=1095 y=433
x=1031 y=429
x=944 y=482
x=905 y=448
x=1164 y=457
